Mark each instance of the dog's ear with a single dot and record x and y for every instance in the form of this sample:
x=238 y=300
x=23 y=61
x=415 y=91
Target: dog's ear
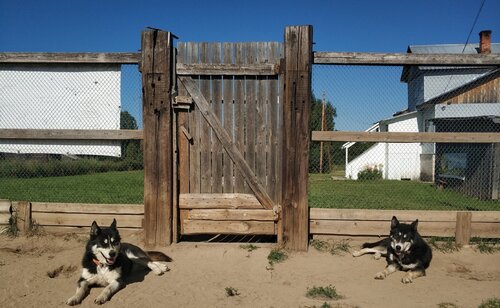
x=113 y=224
x=414 y=225
x=94 y=229
x=394 y=222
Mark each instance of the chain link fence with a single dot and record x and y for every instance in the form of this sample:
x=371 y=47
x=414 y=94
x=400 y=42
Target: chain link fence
x=417 y=176
x=71 y=97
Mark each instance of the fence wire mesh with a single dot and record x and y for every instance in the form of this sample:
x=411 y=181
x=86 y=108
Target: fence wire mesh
x=418 y=176
x=71 y=96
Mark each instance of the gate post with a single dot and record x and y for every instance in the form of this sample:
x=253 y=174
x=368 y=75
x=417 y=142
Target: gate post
x=156 y=67
x=297 y=100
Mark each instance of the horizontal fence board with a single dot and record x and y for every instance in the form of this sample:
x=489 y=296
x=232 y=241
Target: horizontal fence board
x=485 y=230
x=5 y=206
x=4 y=218
x=486 y=216
x=227 y=227
x=82 y=220
x=71 y=134
x=218 y=201
x=256 y=69
x=124 y=232
x=376 y=228
x=381 y=215
x=86 y=208
x=364 y=58
x=230 y=214
x=70 y=57
x=400 y=137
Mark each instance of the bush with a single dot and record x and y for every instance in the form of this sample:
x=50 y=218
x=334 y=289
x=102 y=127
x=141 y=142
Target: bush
x=370 y=173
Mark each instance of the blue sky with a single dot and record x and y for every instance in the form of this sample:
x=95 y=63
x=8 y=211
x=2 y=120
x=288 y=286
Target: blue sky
x=363 y=26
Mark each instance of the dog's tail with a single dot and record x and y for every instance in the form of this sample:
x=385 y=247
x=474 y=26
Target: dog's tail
x=381 y=243
x=159 y=256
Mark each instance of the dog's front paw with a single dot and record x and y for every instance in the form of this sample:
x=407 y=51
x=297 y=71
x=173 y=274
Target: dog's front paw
x=380 y=275
x=101 y=299
x=377 y=255
x=158 y=267
x=407 y=279
x=356 y=253
x=73 y=301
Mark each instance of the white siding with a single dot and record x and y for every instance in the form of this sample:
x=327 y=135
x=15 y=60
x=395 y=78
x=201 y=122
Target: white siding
x=60 y=97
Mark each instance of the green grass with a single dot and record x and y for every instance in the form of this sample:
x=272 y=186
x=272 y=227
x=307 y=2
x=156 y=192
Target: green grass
x=276 y=256
x=384 y=194
x=490 y=303
x=109 y=187
x=323 y=293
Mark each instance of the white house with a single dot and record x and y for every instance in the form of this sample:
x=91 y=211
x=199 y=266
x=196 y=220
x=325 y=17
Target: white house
x=439 y=99
x=60 y=96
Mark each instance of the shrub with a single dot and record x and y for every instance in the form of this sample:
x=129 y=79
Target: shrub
x=370 y=173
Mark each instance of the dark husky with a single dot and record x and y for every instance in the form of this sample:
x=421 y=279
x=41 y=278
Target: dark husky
x=107 y=262
x=404 y=250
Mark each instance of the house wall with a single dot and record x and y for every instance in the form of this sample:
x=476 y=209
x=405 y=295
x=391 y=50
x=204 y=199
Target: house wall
x=398 y=160
x=60 y=96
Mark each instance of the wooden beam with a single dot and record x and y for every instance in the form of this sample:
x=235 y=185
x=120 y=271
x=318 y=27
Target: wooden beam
x=230 y=214
x=257 y=69
x=227 y=142
x=70 y=57
x=70 y=134
x=87 y=208
x=363 y=58
x=218 y=201
x=463 y=228
x=296 y=105
x=156 y=68
x=381 y=215
x=85 y=220
x=228 y=227
x=23 y=216
x=400 y=137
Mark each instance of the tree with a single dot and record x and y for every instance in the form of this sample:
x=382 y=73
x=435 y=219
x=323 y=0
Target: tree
x=131 y=149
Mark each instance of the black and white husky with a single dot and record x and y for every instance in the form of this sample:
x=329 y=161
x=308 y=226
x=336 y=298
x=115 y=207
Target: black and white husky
x=404 y=250
x=107 y=262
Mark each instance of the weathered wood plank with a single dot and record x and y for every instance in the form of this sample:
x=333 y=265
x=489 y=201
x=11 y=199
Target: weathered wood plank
x=124 y=232
x=239 y=115
x=228 y=106
x=65 y=57
x=250 y=112
x=261 y=125
x=194 y=129
x=228 y=227
x=463 y=228
x=4 y=218
x=296 y=105
x=228 y=69
x=85 y=220
x=360 y=58
x=87 y=208
x=217 y=108
x=228 y=144
x=485 y=230
x=486 y=216
x=371 y=228
x=218 y=201
x=381 y=215
x=231 y=214
x=156 y=67
x=206 y=130
x=274 y=137
x=5 y=206
x=71 y=134
x=400 y=137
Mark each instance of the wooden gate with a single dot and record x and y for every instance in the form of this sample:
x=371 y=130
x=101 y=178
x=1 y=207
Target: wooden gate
x=229 y=138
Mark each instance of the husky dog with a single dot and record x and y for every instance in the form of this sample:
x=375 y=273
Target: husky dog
x=107 y=262
x=404 y=250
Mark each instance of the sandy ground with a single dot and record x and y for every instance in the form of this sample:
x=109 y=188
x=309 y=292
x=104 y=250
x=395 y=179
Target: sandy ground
x=201 y=272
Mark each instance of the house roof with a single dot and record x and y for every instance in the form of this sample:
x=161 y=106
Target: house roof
x=461 y=89
x=444 y=49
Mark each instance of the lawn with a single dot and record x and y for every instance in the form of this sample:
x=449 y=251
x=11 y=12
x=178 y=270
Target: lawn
x=128 y=187
x=109 y=187
x=383 y=194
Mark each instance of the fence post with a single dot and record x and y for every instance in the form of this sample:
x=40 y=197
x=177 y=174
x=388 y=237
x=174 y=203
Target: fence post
x=23 y=216
x=297 y=99
x=156 y=67
x=463 y=228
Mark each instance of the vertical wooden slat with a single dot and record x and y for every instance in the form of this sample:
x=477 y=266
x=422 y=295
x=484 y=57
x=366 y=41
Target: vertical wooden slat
x=261 y=132
x=228 y=186
x=194 y=130
x=463 y=228
x=250 y=109
x=217 y=108
x=182 y=141
x=23 y=216
x=156 y=68
x=274 y=156
x=239 y=115
x=205 y=139
x=297 y=96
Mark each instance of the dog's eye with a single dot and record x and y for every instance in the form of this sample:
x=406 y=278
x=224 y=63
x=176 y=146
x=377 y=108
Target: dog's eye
x=404 y=236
